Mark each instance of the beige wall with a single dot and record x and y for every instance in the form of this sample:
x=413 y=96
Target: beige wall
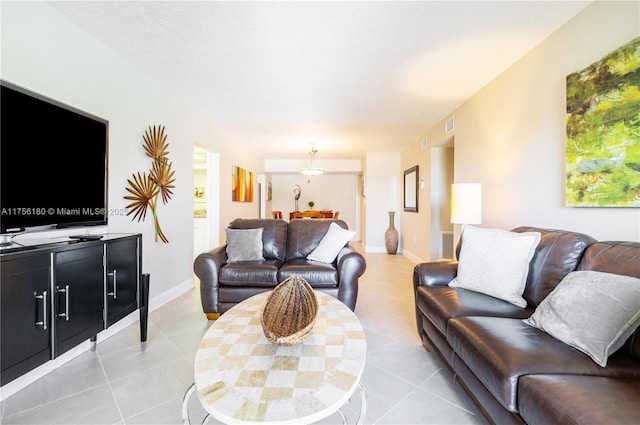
x=414 y=235
x=43 y=52
x=441 y=179
x=510 y=136
x=384 y=194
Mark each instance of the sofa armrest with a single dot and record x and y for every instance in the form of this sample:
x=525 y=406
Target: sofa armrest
x=207 y=267
x=351 y=265
x=438 y=273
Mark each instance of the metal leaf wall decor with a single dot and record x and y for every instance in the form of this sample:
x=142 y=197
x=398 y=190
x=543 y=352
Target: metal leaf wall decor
x=145 y=188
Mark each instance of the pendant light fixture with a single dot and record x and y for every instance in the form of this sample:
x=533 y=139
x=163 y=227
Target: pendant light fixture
x=312 y=170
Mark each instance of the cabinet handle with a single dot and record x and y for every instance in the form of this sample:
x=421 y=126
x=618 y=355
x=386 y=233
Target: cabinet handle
x=44 y=322
x=64 y=290
x=114 y=294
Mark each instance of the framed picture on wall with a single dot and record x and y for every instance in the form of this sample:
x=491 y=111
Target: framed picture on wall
x=411 y=189
x=242 y=184
x=603 y=131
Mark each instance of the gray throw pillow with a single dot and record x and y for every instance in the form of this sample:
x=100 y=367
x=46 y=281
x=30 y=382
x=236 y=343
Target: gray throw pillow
x=244 y=245
x=594 y=312
x=495 y=262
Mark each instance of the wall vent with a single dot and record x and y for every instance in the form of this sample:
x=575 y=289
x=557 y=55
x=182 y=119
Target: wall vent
x=448 y=126
x=423 y=144
x=446 y=245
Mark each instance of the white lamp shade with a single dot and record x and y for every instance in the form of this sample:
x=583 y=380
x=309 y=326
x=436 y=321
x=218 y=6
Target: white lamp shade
x=466 y=203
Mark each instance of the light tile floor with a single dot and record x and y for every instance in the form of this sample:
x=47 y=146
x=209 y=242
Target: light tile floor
x=120 y=384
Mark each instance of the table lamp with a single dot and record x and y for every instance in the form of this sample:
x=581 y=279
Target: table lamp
x=466 y=203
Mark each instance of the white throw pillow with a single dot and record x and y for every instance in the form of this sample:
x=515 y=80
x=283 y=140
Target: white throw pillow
x=244 y=245
x=331 y=244
x=594 y=312
x=495 y=262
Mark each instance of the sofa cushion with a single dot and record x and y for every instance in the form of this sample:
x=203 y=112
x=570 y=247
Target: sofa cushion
x=436 y=342
x=318 y=274
x=562 y=399
x=621 y=258
x=501 y=350
x=254 y=273
x=232 y=295
x=274 y=235
x=594 y=312
x=480 y=400
x=495 y=262
x=558 y=253
x=440 y=303
x=244 y=245
x=613 y=257
x=331 y=243
x=304 y=235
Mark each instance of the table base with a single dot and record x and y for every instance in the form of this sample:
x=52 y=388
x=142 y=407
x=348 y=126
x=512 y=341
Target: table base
x=186 y=420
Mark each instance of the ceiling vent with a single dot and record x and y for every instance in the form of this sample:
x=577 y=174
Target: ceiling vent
x=448 y=126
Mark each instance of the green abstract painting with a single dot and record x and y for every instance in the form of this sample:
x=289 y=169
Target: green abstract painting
x=603 y=131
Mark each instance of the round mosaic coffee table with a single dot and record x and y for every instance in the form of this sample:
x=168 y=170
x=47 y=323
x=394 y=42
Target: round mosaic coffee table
x=240 y=377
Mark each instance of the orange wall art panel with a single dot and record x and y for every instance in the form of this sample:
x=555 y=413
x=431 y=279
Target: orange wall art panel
x=242 y=181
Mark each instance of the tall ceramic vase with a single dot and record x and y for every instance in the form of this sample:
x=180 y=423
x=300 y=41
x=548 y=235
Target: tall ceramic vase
x=391 y=235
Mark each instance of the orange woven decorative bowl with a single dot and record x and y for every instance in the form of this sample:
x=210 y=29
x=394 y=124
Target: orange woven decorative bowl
x=289 y=312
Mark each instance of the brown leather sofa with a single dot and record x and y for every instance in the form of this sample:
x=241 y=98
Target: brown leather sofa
x=285 y=248
x=512 y=373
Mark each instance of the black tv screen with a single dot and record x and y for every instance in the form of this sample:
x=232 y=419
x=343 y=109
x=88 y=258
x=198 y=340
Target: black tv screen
x=53 y=163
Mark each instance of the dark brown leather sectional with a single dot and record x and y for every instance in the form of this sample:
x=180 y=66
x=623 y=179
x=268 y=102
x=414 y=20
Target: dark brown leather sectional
x=285 y=248
x=512 y=373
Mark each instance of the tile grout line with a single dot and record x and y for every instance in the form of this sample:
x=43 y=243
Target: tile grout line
x=165 y=336
x=170 y=341
x=160 y=334
x=395 y=406
x=51 y=402
x=159 y=366
x=113 y=394
x=447 y=401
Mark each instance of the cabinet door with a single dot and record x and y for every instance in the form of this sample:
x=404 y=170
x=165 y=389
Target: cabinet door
x=122 y=278
x=78 y=296
x=25 y=315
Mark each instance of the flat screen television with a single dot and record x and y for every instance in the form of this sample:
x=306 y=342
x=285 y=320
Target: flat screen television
x=53 y=163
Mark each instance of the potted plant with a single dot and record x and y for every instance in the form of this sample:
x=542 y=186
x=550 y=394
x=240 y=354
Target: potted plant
x=311 y=204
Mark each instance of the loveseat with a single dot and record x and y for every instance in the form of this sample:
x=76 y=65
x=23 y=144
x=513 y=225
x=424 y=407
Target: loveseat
x=506 y=367
x=283 y=251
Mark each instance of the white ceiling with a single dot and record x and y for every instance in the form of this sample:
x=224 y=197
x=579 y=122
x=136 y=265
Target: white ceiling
x=350 y=77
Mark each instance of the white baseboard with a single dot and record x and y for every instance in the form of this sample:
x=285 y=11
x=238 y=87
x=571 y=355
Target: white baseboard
x=413 y=257
x=37 y=373
x=170 y=295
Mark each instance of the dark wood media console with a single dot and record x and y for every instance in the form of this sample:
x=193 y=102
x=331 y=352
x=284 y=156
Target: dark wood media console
x=54 y=296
